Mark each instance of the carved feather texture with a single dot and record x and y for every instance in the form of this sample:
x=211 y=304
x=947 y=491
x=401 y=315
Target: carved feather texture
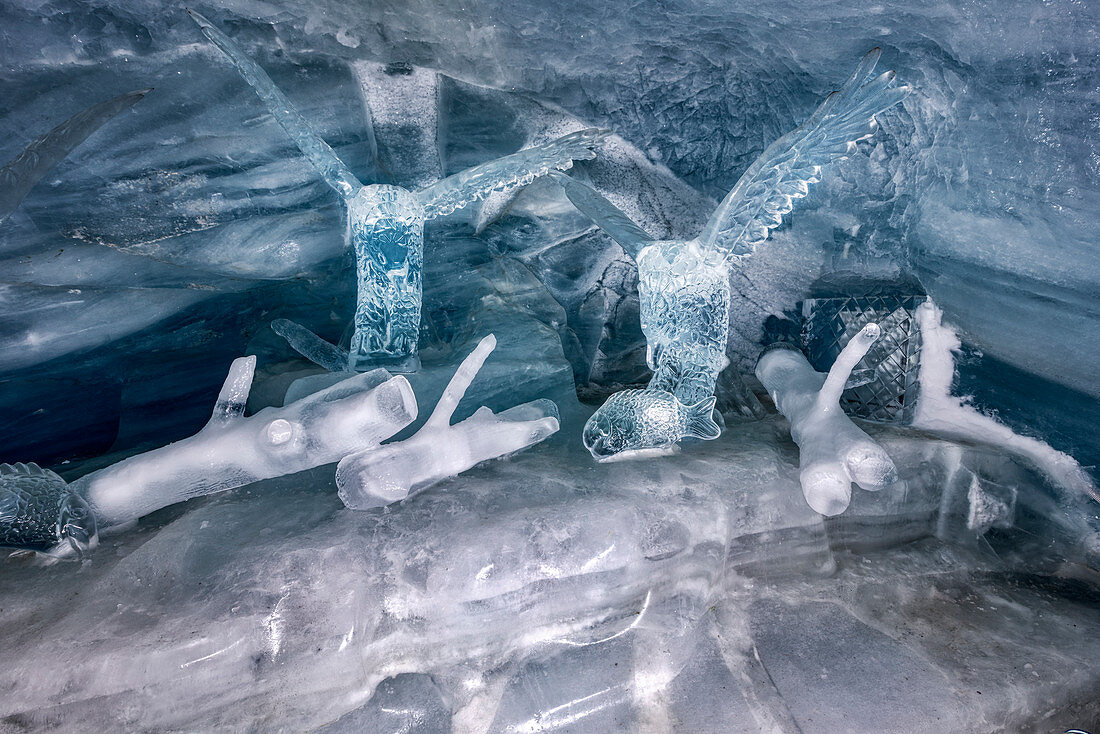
x=782 y=175
x=518 y=169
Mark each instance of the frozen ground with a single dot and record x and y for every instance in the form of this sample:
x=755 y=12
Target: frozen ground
x=695 y=592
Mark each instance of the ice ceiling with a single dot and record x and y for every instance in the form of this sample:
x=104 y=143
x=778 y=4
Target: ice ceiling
x=162 y=248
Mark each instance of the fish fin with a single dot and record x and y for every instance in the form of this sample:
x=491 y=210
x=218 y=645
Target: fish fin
x=700 y=424
x=19 y=470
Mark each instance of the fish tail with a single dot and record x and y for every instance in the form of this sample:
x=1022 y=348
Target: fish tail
x=700 y=423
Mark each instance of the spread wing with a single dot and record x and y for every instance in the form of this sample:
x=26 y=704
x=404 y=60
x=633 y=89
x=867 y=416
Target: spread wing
x=474 y=184
x=606 y=215
x=323 y=158
x=21 y=174
x=783 y=173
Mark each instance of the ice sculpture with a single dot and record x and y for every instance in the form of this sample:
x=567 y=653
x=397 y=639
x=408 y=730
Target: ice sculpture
x=377 y=477
x=684 y=286
x=386 y=223
x=833 y=451
x=38 y=511
x=21 y=174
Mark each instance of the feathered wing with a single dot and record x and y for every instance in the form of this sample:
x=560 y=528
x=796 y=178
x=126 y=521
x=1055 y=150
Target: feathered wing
x=323 y=158
x=25 y=170
x=606 y=215
x=474 y=184
x=784 y=171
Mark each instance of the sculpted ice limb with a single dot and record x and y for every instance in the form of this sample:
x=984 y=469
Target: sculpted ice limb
x=21 y=174
x=684 y=285
x=782 y=174
x=378 y=477
x=311 y=346
x=833 y=451
x=386 y=223
x=323 y=158
x=232 y=450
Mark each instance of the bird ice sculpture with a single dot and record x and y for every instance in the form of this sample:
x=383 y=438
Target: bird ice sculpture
x=39 y=512
x=684 y=285
x=380 y=476
x=386 y=223
x=833 y=451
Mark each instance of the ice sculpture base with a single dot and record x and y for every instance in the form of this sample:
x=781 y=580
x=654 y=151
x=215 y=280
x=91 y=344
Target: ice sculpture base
x=544 y=589
x=405 y=365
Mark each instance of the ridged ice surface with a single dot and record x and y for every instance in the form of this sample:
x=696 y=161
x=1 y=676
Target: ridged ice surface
x=691 y=592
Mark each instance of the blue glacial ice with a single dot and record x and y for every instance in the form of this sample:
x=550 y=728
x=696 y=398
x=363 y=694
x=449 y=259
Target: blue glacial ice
x=692 y=591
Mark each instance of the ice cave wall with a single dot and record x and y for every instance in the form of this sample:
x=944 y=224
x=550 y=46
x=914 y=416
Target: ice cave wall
x=163 y=247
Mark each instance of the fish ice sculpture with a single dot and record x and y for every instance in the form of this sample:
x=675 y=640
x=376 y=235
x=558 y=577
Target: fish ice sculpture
x=684 y=286
x=386 y=223
x=380 y=476
x=40 y=512
x=833 y=451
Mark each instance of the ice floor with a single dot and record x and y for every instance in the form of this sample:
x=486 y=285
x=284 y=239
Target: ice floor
x=695 y=592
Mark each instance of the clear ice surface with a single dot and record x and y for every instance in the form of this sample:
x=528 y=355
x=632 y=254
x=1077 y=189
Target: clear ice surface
x=961 y=599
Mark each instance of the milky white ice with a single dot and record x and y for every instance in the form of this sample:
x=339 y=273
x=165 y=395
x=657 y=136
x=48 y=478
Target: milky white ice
x=938 y=410
x=376 y=477
x=833 y=451
x=231 y=450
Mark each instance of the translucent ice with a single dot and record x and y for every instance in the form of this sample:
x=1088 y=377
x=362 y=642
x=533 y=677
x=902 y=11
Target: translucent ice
x=380 y=476
x=40 y=512
x=938 y=410
x=684 y=286
x=36 y=160
x=833 y=451
x=386 y=223
x=232 y=450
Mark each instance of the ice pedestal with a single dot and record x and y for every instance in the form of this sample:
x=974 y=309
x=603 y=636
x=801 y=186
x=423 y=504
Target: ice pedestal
x=549 y=590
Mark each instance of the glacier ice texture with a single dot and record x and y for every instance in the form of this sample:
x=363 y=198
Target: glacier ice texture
x=961 y=598
x=684 y=287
